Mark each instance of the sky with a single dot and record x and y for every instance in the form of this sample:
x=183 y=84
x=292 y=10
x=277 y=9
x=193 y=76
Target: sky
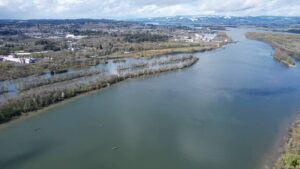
x=125 y=9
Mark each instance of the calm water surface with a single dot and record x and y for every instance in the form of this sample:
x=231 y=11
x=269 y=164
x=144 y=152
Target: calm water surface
x=225 y=112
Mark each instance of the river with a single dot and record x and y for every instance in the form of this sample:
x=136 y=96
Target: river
x=227 y=111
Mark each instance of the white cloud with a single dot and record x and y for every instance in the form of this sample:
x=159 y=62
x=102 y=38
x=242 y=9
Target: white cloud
x=3 y=3
x=143 y=8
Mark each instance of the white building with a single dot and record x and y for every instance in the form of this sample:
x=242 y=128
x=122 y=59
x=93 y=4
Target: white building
x=208 y=37
x=22 y=54
x=196 y=38
x=72 y=36
x=22 y=60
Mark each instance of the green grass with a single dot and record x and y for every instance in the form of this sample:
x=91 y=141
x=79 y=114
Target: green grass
x=290 y=159
x=166 y=51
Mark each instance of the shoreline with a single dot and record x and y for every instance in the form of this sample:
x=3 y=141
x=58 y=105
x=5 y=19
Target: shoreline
x=33 y=113
x=166 y=51
x=281 y=54
x=285 y=63
x=281 y=144
x=286 y=148
x=40 y=97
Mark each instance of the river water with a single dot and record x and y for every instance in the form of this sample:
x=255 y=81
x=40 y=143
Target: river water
x=225 y=112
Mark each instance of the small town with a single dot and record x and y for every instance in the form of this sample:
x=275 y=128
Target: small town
x=95 y=38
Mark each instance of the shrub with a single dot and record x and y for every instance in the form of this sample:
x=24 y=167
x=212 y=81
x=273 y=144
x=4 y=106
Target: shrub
x=291 y=160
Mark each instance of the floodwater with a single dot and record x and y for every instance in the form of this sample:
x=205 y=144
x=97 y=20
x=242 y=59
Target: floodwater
x=225 y=112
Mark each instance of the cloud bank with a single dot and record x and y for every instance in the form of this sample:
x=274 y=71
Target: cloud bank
x=50 y=9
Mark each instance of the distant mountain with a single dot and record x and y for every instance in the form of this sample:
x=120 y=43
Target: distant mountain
x=265 y=21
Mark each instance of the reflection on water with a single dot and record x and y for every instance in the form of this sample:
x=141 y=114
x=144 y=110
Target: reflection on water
x=224 y=112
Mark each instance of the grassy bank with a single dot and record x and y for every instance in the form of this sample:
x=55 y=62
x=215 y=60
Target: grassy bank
x=290 y=158
x=285 y=46
x=166 y=51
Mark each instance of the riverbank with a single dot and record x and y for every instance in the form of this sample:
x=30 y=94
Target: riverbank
x=282 y=57
x=167 y=51
x=284 y=46
x=285 y=49
x=43 y=96
x=290 y=156
x=28 y=115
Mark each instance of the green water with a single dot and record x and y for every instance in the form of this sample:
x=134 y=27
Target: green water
x=225 y=112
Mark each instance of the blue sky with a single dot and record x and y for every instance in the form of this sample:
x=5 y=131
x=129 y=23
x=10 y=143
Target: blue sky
x=122 y=9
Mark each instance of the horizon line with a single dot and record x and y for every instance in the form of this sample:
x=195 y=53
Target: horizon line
x=136 y=18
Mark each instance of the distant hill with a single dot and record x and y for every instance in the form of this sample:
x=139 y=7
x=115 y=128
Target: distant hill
x=217 y=21
x=264 y=21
